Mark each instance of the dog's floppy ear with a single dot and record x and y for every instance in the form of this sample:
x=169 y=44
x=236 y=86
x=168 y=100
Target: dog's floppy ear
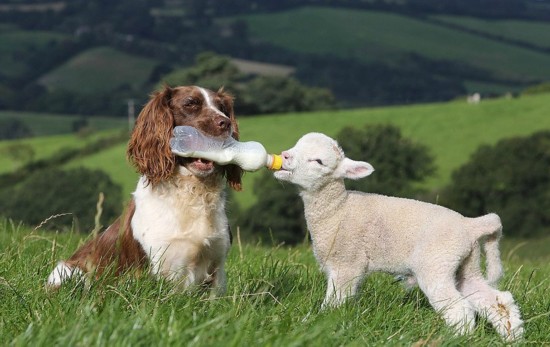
x=233 y=173
x=149 y=146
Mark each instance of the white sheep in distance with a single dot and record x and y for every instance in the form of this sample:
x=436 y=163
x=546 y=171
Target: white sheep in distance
x=355 y=233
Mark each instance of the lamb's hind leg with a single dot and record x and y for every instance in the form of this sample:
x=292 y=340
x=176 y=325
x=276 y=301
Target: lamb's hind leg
x=342 y=283
x=439 y=288
x=498 y=307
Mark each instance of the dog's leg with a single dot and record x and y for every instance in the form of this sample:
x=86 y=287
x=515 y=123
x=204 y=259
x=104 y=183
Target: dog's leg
x=61 y=273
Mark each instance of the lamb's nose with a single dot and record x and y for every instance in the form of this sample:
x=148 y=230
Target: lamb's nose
x=285 y=155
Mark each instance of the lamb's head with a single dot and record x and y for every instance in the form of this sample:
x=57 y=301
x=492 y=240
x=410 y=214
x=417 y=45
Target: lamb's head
x=315 y=160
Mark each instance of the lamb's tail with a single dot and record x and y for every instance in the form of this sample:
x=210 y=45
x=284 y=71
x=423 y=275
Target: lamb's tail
x=488 y=230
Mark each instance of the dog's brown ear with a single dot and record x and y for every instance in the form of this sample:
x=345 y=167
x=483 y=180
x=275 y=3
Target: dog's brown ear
x=149 y=146
x=233 y=173
x=227 y=101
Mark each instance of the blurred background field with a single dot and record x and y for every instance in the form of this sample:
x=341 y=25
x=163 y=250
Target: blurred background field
x=452 y=131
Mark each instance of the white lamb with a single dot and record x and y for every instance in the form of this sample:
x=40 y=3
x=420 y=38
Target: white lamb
x=355 y=233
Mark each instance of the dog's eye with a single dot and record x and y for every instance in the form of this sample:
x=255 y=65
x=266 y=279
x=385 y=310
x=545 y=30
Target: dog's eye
x=190 y=102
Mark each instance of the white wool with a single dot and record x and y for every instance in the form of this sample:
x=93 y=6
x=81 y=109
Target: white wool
x=354 y=233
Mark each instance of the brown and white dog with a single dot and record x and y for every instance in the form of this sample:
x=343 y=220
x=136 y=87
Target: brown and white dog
x=175 y=225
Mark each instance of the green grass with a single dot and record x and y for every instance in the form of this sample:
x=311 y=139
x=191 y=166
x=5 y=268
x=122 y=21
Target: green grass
x=452 y=132
x=44 y=124
x=100 y=69
x=45 y=146
x=370 y=35
x=113 y=162
x=273 y=299
x=531 y=32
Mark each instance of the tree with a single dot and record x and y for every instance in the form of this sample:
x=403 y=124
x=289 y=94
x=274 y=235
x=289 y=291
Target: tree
x=278 y=212
x=270 y=94
x=256 y=95
x=399 y=162
x=210 y=71
x=12 y=128
x=511 y=178
x=71 y=194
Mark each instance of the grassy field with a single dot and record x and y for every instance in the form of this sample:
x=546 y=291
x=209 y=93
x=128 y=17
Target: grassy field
x=273 y=299
x=44 y=124
x=370 y=35
x=102 y=69
x=452 y=131
x=534 y=33
x=45 y=146
x=274 y=293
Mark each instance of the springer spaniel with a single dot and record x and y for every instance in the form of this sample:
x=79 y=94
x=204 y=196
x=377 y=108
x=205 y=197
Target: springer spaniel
x=175 y=225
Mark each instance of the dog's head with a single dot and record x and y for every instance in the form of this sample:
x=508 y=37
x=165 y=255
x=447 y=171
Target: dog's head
x=210 y=112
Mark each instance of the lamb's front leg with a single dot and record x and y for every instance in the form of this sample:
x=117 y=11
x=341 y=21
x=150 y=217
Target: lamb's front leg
x=342 y=283
x=218 y=281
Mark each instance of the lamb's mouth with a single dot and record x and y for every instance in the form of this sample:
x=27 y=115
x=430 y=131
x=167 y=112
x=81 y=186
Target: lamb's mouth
x=282 y=174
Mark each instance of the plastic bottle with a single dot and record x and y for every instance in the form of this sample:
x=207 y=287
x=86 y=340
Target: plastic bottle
x=250 y=156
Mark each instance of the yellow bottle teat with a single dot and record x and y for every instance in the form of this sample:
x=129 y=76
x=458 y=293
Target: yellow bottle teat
x=276 y=163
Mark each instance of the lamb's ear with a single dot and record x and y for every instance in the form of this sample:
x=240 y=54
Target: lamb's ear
x=353 y=169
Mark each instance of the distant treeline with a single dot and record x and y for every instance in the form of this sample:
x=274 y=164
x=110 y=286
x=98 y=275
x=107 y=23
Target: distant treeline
x=175 y=35
x=138 y=17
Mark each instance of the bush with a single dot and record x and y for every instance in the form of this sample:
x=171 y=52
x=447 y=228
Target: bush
x=12 y=128
x=399 y=162
x=511 y=178
x=272 y=94
x=53 y=191
x=537 y=89
x=278 y=212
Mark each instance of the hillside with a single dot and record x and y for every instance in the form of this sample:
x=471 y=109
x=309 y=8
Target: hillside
x=100 y=69
x=47 y=124
x=370 y=36
x=16 y=43
x=521 y=32
x=86 y=58
x=452 y=131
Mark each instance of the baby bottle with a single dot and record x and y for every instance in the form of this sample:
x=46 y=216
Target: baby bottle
x=250 y=156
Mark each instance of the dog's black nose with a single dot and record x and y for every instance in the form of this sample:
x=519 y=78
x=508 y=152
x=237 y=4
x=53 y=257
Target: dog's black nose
x=223 y=123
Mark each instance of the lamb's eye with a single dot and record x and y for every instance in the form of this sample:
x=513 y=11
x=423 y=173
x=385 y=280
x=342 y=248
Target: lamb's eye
x=318 y=161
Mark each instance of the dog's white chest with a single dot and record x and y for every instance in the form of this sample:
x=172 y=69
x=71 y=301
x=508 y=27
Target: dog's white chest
x=178 y=227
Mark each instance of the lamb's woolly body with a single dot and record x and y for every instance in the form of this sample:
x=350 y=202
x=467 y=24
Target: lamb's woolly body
x=387 y=243
x=354 y=233
x=183 y=231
